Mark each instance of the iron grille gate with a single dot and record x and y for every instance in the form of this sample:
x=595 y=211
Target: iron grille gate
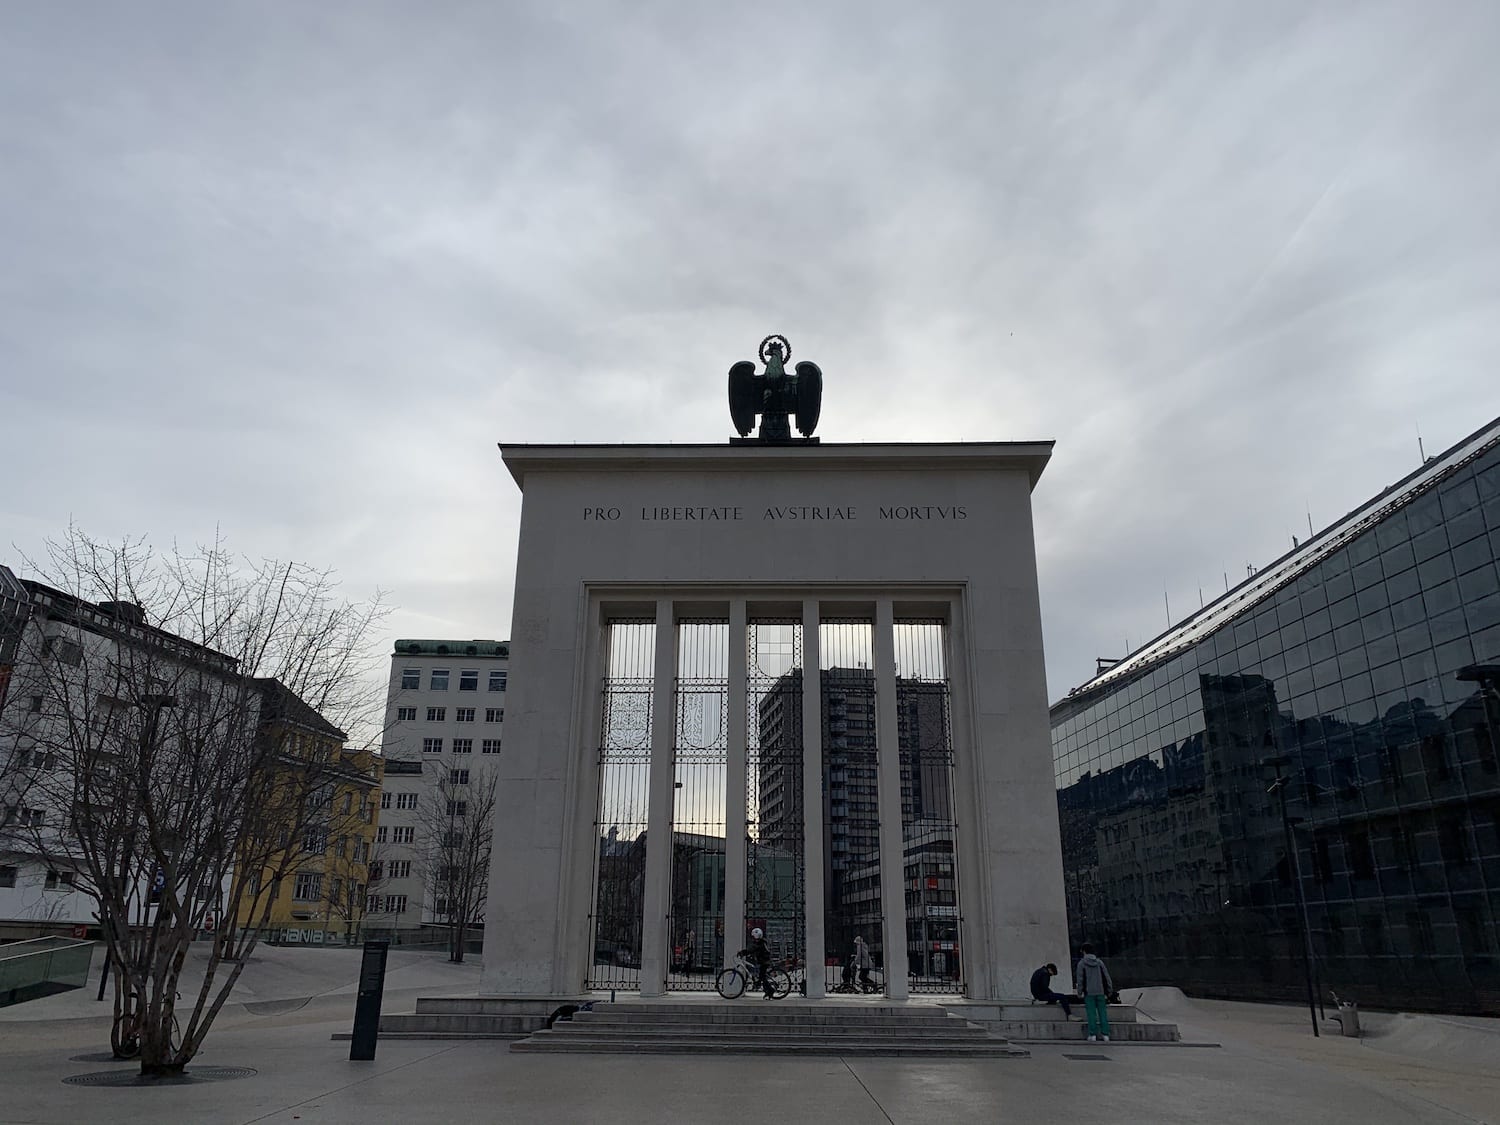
x=934 y=918
x=699 y=762
x=620 y=823
x=851 y=814
x=775 y=877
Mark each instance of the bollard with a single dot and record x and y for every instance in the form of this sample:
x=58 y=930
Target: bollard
x=367 y=1003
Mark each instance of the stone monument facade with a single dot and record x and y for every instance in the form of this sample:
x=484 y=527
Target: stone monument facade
x=664 y=726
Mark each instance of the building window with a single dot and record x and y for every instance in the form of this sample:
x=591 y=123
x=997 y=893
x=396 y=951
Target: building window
x=315 y=840
x=395 y=904
x=385 y=800
x=372 y=904
x=497 y=680
x=406 y=800
x=377 y=871
x=403 y=835
x=436 y=714
x=490 y=746
x=406 y=714
x=400 y=869
x=308 y=887
x=468 y=680
x=463 y=746
x=494 y=714
x=7 y=876
x=36 y=703
x=411 y=678
x=58 y=881
x=458 y=808
x=380 y=834
x=432 y=745
x=439 y=681
x=458 y=777
x=464 y=715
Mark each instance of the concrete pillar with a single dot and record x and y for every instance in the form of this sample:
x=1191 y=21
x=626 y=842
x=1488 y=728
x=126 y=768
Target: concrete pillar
x=656 y=951
x=812 y=797
x=734 y=783
x=888 y=788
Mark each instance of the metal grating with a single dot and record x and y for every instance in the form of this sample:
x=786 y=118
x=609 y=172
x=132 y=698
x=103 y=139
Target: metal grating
x=775 y=876
x=851 y=812
x=929 y=830
x=192 y=1076
x=700 y=761
x=620 y=823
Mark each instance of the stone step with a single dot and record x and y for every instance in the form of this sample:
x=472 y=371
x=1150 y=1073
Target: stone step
x=1118 y=1013
x=459 y=1024
x=547 y=1042
x=1024 y=1031
x=956 y=1029
x=495 y=1005
x=766 y=1015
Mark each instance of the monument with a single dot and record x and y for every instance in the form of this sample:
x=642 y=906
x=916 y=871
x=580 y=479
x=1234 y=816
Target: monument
x=782 y=683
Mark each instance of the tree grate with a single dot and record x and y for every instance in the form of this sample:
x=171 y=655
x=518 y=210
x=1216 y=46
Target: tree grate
x=192 y=1076
x=1087 y=1058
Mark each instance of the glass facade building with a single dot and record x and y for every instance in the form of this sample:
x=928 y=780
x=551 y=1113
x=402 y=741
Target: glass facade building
x=1363 y=669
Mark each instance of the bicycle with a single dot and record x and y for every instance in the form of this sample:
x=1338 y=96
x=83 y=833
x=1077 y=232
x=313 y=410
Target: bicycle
x=125 y=1035
x=731 y=982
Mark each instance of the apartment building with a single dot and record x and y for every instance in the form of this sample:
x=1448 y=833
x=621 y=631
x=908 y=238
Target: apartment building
x=445 y=710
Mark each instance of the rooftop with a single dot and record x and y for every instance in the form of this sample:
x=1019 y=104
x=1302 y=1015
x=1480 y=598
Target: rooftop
x=409 y=647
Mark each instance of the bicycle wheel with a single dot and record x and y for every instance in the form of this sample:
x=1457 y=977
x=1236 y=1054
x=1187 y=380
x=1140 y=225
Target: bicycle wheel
x=124 y=1040
x=730 y=984
x=781 y=983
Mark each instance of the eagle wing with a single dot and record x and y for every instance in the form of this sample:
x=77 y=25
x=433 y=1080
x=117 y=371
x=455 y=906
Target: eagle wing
x=809 y=397
x=744 y=396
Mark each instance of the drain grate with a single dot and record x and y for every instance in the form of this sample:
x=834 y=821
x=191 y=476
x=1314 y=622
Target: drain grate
x=1087 y=1058
x=192 y=1076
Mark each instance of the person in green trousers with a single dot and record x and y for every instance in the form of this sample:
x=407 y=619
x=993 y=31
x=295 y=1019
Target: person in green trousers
x=1091 y=981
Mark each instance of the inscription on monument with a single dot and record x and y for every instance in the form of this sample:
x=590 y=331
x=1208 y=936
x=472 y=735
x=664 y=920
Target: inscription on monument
x=730 y=513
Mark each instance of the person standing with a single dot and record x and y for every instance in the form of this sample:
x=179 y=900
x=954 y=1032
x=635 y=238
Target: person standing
x=690 y=952
x=864 y=963
x=1091 y=980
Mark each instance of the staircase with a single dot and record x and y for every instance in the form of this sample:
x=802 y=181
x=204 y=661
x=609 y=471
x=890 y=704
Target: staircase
x=769 y=1028
x=1042 y=1023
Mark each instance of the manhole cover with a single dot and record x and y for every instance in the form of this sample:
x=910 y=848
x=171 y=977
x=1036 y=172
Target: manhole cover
x=101 y=1056
x=191 y=1076
x=1087 y=1058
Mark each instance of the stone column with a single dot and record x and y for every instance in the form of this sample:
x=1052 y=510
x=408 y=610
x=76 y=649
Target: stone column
x=888 y=788
x=656 y=949
x=734 y=783
x=812 y=798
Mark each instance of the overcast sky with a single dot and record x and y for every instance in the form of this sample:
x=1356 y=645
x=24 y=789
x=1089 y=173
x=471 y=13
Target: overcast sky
x=294 y=269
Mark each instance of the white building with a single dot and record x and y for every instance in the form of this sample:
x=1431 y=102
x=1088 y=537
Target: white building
x=445 y=709
x=49 y=638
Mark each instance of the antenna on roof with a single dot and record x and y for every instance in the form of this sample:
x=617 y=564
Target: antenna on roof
x=1168 y=603
x=1310 y=532
x=1421 y=453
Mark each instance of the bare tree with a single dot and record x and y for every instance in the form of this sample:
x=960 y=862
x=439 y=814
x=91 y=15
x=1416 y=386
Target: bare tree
x=183 y=788
x=457 y=827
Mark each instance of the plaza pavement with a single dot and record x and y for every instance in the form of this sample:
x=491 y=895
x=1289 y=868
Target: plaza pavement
x=1269 y=1069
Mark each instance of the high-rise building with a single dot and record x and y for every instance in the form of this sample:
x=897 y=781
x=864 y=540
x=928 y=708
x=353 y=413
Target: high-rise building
x=1362 y=670
x=852 y=862
x=445 y=710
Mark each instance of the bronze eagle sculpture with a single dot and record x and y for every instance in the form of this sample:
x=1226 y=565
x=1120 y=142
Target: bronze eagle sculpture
x=775 y=394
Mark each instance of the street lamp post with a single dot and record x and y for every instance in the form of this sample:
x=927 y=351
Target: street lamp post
x=1278 y=786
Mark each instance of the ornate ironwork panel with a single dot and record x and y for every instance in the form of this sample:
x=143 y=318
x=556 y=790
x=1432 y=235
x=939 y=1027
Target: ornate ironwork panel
x=934 y=915
x=775 y=878
x=699 y=761
x=851 y=814
x=620 y=823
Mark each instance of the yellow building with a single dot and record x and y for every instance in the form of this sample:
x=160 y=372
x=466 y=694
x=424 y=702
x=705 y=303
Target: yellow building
x=317 y=870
